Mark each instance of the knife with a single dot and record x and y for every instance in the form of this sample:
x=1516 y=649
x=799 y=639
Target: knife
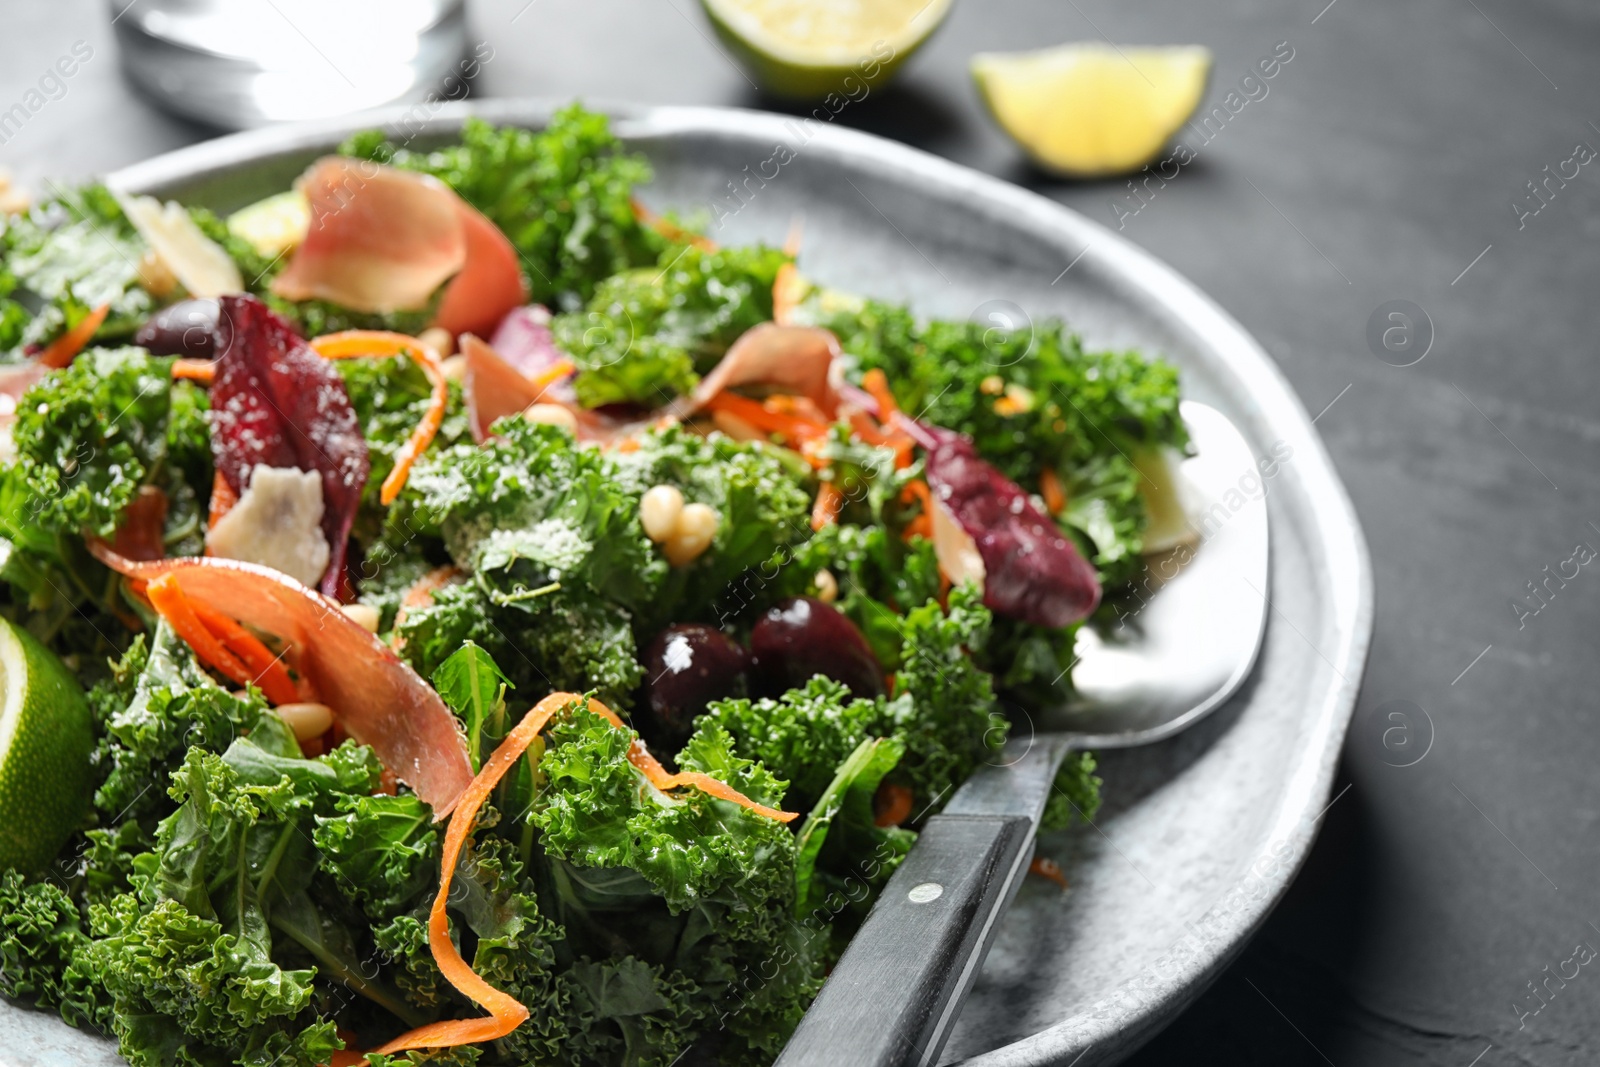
x=934 y=922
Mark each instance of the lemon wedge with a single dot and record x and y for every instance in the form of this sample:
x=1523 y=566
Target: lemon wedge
x=1090 y=110
x=811 y=49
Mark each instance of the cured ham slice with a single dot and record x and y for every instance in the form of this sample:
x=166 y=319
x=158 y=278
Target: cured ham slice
x=383 y=240
x=380 y=239
x=490 y=283
x=376 y=698
x=492 y=386
x=799 y=360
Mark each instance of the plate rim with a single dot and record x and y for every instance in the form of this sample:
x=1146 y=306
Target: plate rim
x=1151 y=280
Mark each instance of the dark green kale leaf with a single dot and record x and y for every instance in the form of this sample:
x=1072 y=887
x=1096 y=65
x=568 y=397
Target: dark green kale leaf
x=763 y=509
x=647 y=335
x=805 y=735
x=90 y=435
x=1074 y=795
x=40 y=931
x=595 y=812
x=1032 y=399
x=71 y=254
x=188 y=992
x=381 y=850
x=954 y=724
x=534 y=508
x=841 y=847
x=550 y=640
x=155 y=707
x=563 y=195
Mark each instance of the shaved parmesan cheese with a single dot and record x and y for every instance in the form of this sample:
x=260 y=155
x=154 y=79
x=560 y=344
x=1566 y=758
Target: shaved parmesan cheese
x=197 y=261
x=276 y=523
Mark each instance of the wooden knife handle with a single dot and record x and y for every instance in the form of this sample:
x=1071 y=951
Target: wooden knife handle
x=895 y=992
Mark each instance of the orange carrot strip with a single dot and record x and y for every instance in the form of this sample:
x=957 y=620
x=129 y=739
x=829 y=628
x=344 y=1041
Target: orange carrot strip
x=60 y=352
x=1055 y=497
x=351 y=344
x=825 y=512
x=223 y=498
x=891 y=804
x=553 y=373
x=170 y=602
x=203 y=371
x=663 y=779
x=876 y=383
x=765 y=419
x=1048 y=868
x=267 y=670
x=506 y=1013
x=671 y=230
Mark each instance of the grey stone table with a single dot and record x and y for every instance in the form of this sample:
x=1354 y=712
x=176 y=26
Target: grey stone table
x=1390 y=159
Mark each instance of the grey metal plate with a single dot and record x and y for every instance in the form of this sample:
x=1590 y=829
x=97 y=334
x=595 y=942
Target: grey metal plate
x=1200 y=834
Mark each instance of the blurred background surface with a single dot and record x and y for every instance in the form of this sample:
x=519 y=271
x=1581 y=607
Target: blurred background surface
x=1390 y=160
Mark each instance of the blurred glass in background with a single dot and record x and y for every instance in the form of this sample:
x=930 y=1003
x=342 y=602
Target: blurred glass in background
x=238 y=63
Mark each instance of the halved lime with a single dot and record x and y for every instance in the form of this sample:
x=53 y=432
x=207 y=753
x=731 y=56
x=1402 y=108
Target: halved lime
x=1090 y=110
x=44 y=751
x=809 y=49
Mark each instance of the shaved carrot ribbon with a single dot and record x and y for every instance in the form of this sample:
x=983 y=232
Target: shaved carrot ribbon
x=762 y=417
x=60 y=352
x=223 y=498
x=551 y=374
x=221 y=642
x=788 y=285
x=353 y=344
x=194 y=370
x=830 y=501
x=1048 y=868
x=268 y=670
x=170 y=602
x=671 y=230
x=1055 y=497
x=506 y=1013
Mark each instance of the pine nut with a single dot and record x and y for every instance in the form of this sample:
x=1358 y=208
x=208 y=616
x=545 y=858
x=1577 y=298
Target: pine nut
x=551 y=415
x=365 y=614
x=659 y=511
x=697 y=528
x=308 y=721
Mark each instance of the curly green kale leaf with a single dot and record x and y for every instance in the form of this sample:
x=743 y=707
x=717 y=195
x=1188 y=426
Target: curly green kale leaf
x=73 y=253
x=954 y=725
x=805 y=735
x=1032 y=399
x=763 y=510
x=647 y=335
x=1074 y=795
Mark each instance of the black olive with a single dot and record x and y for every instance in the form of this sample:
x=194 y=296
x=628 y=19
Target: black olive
x=803 y=637
x=188 y=328
x=689 y=665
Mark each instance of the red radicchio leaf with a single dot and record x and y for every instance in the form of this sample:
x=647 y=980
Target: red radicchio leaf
x=276 y=402
x=1031 y=571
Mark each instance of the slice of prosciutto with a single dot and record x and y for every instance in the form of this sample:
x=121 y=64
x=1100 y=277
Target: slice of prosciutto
x=384 y=240
x=380 y=239
x=800 y=360
x=375 y=696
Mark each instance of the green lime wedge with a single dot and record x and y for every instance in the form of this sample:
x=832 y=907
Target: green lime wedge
x=44 y=751
x=809 y=49
x=1092 y=110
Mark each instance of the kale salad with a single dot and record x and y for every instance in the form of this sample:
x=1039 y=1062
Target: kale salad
x=453 y=614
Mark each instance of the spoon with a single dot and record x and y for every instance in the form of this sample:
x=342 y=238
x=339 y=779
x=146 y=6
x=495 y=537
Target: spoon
x=1172 y=653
